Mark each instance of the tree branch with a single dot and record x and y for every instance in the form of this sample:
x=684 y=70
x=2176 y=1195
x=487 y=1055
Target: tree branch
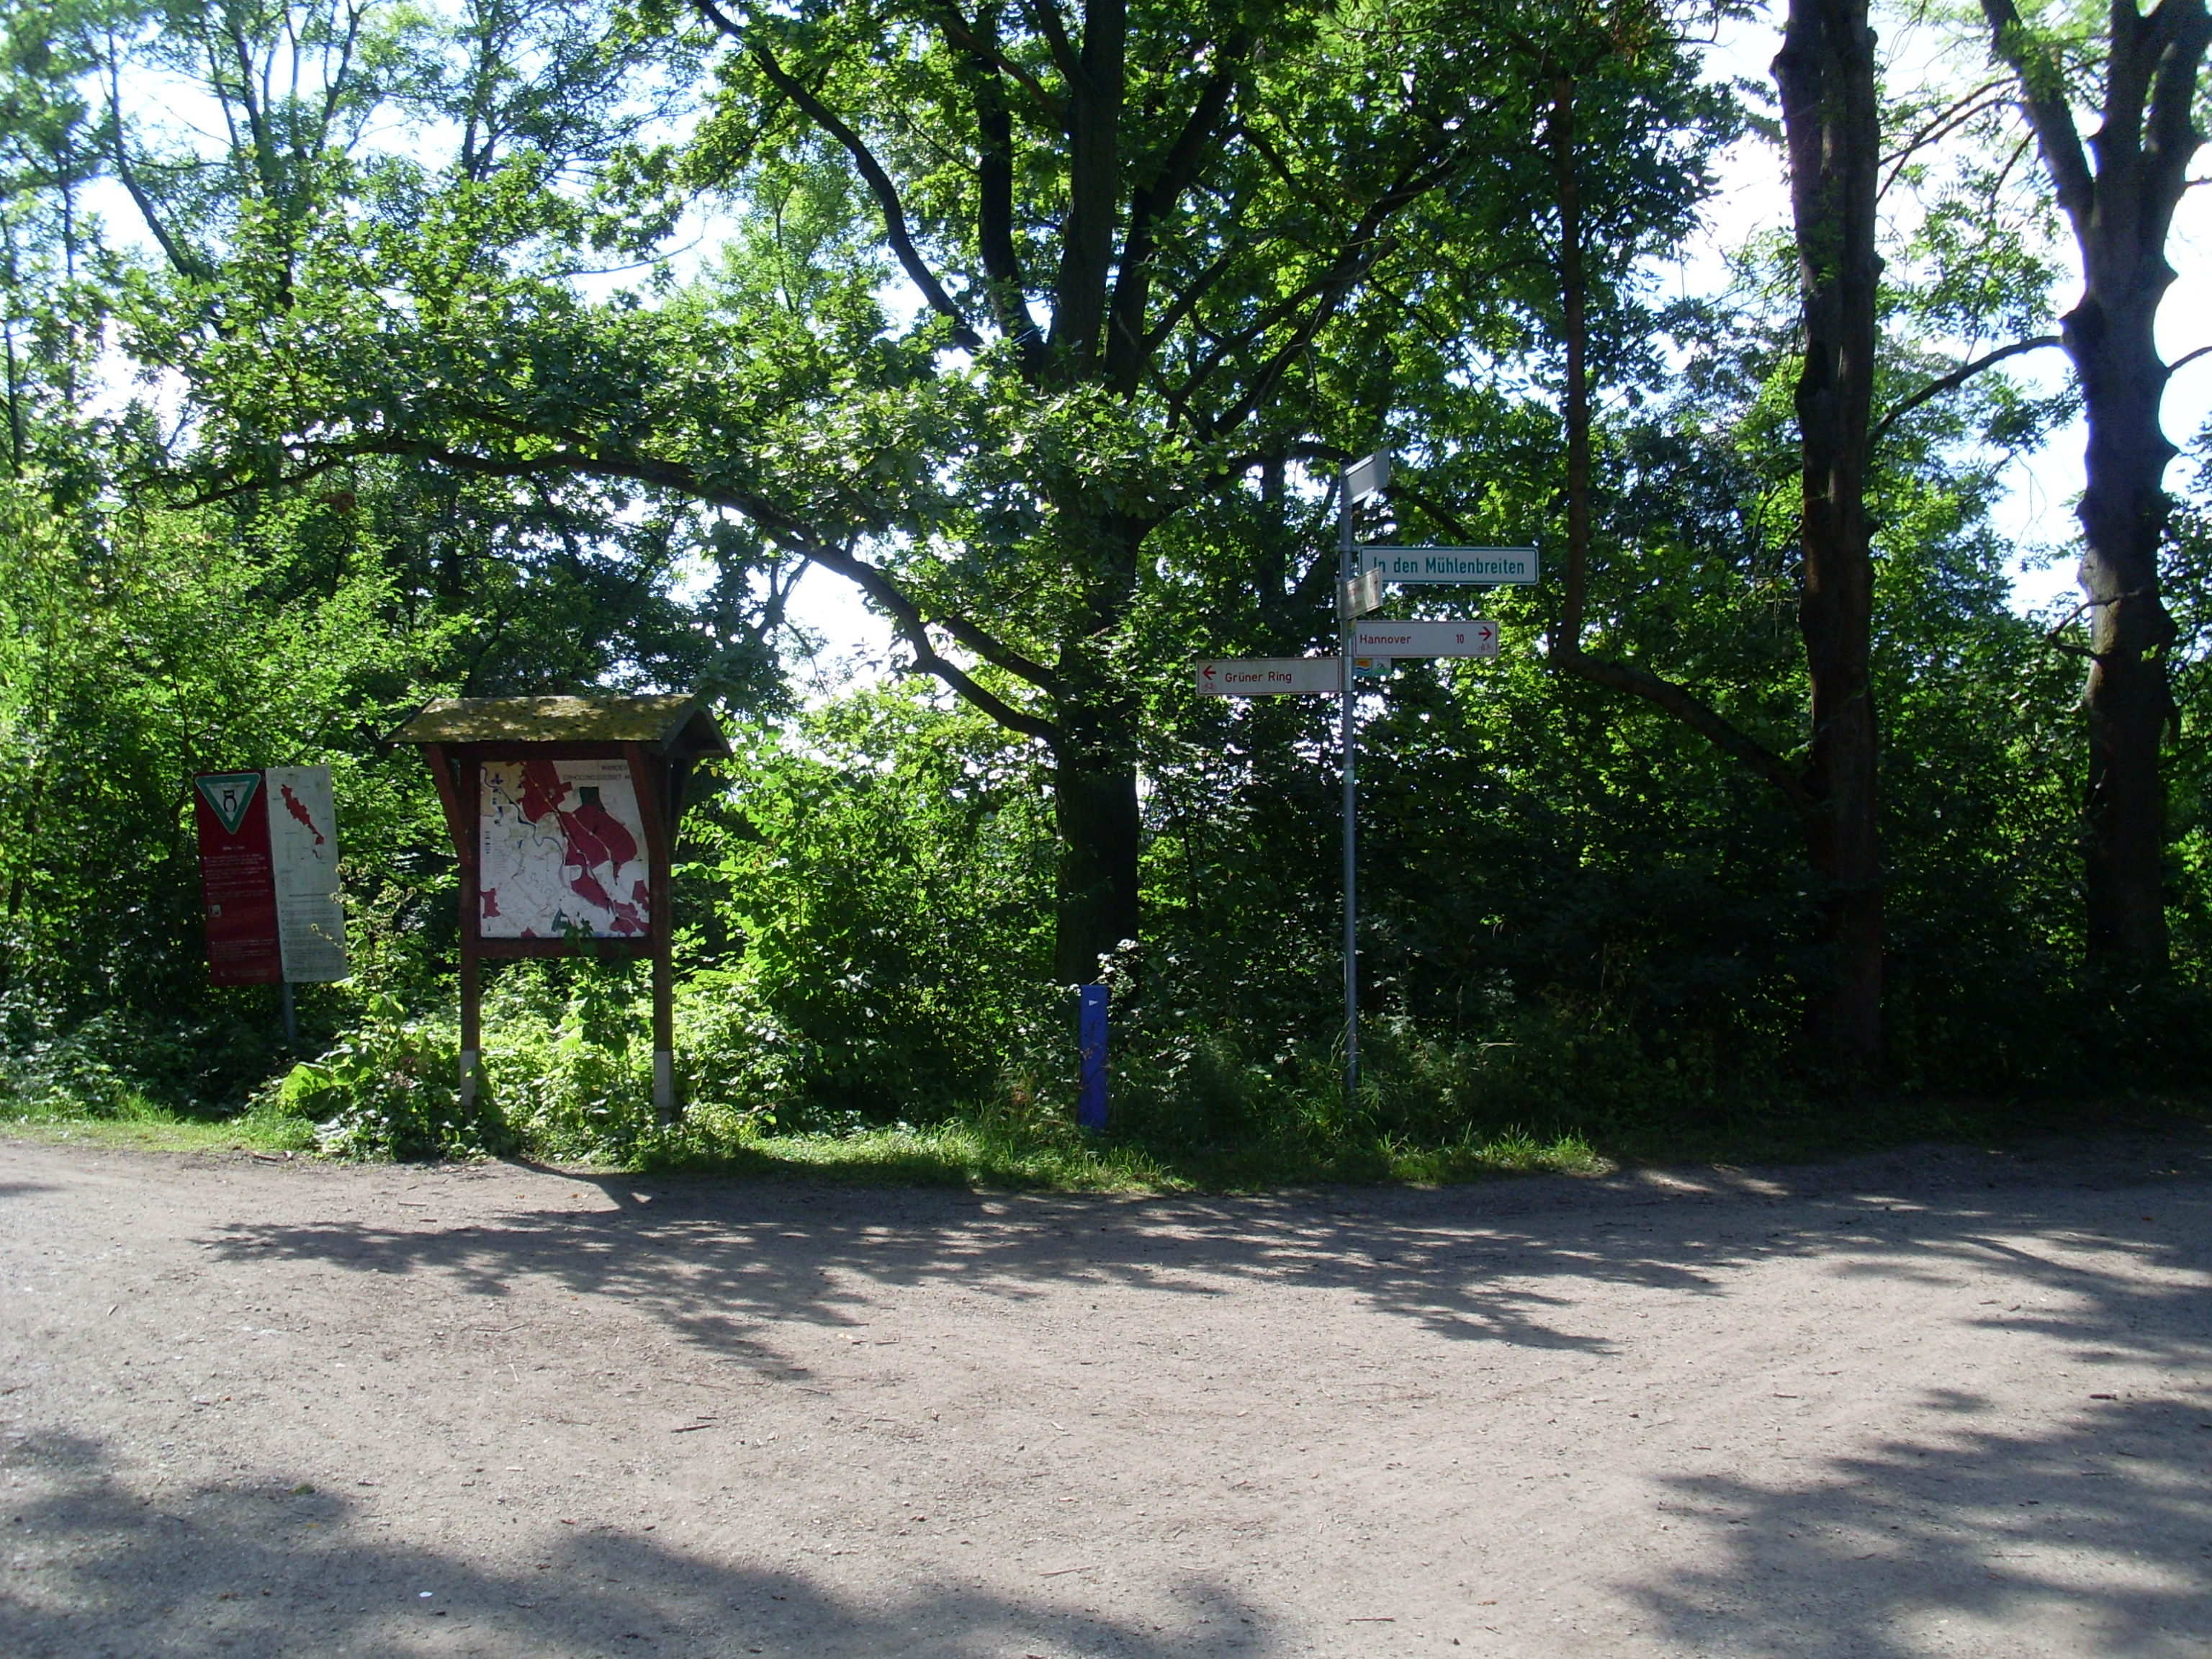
x=871 y=171
x=1006 y=289
x=1693 y=712
x=1152 y=201
x=2043 y=100
x=1952 y=118
x=185 y=262
x=1961 y=108
x=872 y=580
x=985 y=50
x=1097 y=92
x=1362 y=248
x=1957 y=378
x=1045 y=14
x=2172 y=131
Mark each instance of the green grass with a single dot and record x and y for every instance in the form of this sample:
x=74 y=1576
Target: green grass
x=953 y=1154
x=147 y=1127
x=1050 y=1156
x=960 y=1154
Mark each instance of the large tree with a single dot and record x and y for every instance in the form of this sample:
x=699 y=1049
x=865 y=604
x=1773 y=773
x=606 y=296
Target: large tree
x=1142 y=246
x=2118 y=190
x=1831 y=121
x=1831 y=117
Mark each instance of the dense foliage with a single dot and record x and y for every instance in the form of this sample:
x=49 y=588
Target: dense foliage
x=358 y=421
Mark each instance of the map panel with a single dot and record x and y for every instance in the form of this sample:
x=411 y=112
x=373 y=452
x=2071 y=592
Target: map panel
x=303 y=846
x=561 y=850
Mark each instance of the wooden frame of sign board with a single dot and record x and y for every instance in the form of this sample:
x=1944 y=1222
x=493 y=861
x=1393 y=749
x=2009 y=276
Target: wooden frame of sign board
x=659 y=739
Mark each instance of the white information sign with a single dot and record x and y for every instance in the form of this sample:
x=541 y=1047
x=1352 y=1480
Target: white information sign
x=1362 y=594
x=1271 y=677
x=1373 y=636
x=1367 y=475
x=303 y=857
x=561 y=850
x=1470 y=566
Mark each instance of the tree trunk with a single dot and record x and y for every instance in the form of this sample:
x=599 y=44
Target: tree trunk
x=1826 y=71
x=1096 y=816
x=2124 y=510
x=2120 y=204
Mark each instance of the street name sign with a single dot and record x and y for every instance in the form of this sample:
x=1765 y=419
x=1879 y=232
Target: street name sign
x=1271 y=677
x=1374 y=636
x=1426 y=566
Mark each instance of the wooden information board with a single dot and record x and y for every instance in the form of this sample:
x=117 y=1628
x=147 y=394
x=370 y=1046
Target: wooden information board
x=563 y=813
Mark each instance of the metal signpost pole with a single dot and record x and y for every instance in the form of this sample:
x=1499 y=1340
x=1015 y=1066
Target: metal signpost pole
x=1360 y=574
x=1355 y=483
x=1347 y=507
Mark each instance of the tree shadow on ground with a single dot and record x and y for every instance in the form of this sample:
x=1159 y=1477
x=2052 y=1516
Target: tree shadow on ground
x=723 y=1263
x=2096 y=1537
x=2098 y=1525
x=247 y=1572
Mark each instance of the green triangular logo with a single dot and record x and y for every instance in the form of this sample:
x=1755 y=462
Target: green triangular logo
x=227 y=795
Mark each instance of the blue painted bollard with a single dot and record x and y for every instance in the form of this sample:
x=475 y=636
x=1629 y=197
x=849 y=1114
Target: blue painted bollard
x=1090 y=1103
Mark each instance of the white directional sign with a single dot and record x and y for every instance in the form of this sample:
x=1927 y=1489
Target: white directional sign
x=1271 y=677
x=1471 y=565
x=1366 y=476
x=1372 y=636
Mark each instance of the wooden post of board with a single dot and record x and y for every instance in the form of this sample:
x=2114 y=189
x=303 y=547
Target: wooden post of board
x=658 y=813
x=471 y=957
x=457 y=796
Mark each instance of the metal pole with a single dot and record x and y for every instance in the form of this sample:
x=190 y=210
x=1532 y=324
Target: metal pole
x=291 y=1020
x=1090 y=1103
x=1344 y=550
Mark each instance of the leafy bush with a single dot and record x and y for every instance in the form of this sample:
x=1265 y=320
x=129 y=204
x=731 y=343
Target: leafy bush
x=576 y=1082
x=391 y=1090
x=84 y=1072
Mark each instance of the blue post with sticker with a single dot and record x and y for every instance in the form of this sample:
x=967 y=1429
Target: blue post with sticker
x=1091 y=1104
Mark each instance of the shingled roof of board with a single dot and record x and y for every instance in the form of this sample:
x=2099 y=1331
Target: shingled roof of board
x=669 y=719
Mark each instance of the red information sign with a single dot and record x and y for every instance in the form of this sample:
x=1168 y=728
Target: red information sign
x=238 y=879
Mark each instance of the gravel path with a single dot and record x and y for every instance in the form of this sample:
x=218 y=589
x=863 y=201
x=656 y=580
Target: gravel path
x=1942 y=1403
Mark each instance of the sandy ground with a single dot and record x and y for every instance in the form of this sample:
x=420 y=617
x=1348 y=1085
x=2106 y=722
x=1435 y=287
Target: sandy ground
x=1936 y=1403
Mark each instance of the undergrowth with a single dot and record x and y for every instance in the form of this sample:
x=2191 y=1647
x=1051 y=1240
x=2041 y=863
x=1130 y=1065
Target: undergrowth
x=567 y=1080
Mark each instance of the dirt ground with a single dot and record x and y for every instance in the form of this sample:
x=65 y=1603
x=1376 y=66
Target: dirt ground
x=1935 y=1403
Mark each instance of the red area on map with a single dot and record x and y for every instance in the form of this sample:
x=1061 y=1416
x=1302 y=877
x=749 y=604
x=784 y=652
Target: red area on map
x=292 y=806
x=590 y=836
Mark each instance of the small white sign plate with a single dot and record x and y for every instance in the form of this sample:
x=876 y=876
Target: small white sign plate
x=1362 y=594
x=1367 y=475
x=1271 y=677
x=1372 y=636
x=1470 y=566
